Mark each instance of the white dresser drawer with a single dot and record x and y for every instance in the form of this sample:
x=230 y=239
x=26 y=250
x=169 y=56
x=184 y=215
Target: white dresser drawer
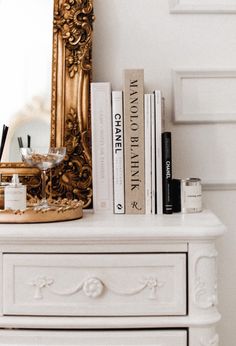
x=88 y=338
x=94 y=285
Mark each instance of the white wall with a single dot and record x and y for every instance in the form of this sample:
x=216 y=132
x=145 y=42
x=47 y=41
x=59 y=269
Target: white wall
x=142 y=33
x=25 y=70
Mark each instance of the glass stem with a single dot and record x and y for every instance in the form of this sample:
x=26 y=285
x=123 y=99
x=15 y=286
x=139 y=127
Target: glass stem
x=43 y=176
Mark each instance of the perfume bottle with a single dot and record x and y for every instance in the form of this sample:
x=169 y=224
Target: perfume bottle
x=15 y=195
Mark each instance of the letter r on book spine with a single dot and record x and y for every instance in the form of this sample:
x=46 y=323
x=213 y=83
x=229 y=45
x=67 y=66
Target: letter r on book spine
x=118 y=152
x=101 y=146
x=134 y=141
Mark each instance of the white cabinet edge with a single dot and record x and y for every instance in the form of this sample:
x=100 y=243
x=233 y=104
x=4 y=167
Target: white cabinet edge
x=147 y=338
x=85 y=323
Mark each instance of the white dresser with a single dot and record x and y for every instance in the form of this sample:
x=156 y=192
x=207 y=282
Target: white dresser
x=110 y=280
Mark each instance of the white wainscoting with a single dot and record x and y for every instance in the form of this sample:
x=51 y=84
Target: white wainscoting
x=218 y=185
x=202 y=6
x=204 y=96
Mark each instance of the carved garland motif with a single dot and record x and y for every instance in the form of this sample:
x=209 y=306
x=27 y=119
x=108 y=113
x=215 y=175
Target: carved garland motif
x=212 y=342
x=205 y=297
x=94 y=287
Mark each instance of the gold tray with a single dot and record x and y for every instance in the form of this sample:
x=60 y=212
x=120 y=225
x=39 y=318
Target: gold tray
x=61 y=210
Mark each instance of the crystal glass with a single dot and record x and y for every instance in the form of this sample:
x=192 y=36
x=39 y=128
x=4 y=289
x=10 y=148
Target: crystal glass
x=44 y=159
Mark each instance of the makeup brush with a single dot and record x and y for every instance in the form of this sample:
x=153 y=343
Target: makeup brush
x=20 y=142
x=28 y=141
x=3 y=140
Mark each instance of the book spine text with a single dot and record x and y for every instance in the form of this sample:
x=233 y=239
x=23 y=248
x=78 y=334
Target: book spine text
x=167 y=173
x=118 y=152
x=134 y=141
x=101 y=146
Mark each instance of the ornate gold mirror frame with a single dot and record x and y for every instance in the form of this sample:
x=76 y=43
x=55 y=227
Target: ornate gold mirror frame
x=70 y=112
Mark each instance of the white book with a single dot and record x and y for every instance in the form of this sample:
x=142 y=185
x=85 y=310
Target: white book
x=118 y=152
x=148 y=154
x=158 y=132
x=153 y=153
x=101 y=147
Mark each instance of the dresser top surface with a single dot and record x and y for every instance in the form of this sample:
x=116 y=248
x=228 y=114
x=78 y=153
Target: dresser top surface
x=129 y=227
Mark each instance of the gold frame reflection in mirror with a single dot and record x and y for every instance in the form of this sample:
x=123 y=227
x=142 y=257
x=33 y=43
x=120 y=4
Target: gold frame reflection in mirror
x=70 y=107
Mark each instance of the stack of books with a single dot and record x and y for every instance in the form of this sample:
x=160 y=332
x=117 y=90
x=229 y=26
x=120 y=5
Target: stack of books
x=131 y=152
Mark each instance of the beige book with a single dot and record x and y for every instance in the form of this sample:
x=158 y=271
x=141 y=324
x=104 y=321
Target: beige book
x=134 y=141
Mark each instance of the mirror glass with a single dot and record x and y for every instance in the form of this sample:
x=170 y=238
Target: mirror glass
x=26 y=29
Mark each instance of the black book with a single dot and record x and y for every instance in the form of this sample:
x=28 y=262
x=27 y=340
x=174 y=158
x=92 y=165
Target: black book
x=176 y=195
x=167 y=173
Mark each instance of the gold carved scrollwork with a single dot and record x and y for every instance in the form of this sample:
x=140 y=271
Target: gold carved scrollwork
x=73 y=20
x=73 y=179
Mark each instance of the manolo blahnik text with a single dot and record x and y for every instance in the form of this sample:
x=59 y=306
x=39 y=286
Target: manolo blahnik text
x=134 y=127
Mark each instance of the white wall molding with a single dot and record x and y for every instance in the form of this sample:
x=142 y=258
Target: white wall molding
x=204 y=96
x=219 y=186
x=202 y=6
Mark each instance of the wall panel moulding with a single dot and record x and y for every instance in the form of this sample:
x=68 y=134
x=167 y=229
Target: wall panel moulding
x=204 y=96
x=219 y=185
x=202 y=6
